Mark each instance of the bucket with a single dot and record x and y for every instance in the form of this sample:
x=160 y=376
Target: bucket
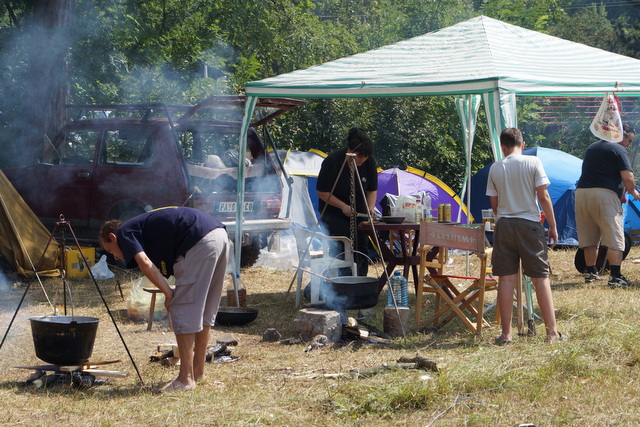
x=64 y=340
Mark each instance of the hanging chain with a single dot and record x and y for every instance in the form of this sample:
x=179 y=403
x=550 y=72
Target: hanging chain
x=352 y=201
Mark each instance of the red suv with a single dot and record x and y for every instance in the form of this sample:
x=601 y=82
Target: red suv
x=116 y=161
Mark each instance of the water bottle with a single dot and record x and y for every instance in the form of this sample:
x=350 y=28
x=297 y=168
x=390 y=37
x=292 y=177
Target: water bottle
x=426 y=207
x=398 y=285
x=419 y=210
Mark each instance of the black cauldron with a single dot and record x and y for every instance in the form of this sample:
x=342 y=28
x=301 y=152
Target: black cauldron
x=64 y=340
x=350 y=292
x=232 y=316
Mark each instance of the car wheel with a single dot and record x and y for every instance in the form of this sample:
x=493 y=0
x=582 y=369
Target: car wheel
x=250 y=253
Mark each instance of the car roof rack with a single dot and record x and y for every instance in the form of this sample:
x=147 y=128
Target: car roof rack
x=217 y=108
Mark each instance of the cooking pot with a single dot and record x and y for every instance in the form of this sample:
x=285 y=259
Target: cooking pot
x=64 y=340
x=236 y=315
x=350 y=292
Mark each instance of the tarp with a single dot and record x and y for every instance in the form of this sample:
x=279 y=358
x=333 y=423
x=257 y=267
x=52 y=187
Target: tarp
x=412 y=181
x=478 y=56
x=23 y=237
x=563 y=171
x=300 y=203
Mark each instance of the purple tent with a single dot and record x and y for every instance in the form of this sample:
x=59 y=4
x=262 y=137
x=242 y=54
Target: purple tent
x=411 y=181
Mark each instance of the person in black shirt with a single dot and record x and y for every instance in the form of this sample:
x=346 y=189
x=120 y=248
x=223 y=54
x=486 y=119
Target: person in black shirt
x=606 y=175
x=193 y=247
x=334 y=191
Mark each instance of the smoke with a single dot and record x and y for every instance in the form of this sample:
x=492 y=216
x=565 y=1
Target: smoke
x=5 y=285
x=60 y=56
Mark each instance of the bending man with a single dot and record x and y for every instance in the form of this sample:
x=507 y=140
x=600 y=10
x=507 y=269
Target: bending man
x=192 y=246
x=334 y=192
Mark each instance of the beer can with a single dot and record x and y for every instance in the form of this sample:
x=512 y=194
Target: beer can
x=441 y=212
x=446 y=212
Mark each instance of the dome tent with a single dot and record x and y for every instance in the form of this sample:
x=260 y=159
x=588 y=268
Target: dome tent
x=412 y=181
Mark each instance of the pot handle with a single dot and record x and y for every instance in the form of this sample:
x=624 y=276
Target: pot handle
x=355 y=252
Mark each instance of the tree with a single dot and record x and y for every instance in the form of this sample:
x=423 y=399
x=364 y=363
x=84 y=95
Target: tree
x=47 y=76
x=35 y=80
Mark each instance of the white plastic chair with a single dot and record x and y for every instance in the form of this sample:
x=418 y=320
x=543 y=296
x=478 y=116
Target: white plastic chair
x=317 y=262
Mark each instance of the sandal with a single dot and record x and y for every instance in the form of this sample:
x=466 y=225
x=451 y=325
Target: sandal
x=500 y=340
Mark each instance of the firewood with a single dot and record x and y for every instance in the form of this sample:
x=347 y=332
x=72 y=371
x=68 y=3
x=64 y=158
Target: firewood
x=420 y=362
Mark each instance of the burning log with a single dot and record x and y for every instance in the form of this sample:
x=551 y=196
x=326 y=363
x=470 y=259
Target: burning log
x=364 y=331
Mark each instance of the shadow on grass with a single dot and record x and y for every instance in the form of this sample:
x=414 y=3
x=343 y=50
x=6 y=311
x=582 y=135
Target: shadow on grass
x=115 y=392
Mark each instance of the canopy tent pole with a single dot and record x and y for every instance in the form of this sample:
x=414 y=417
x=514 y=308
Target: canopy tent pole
x=249 y=106
x=500 y=107
x=467 y=107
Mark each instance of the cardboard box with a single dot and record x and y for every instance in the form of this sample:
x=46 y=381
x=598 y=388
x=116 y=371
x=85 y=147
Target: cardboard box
x=74 y=265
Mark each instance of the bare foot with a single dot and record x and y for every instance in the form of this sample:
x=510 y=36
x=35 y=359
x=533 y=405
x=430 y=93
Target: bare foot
x=553 y=337
x=176 y=385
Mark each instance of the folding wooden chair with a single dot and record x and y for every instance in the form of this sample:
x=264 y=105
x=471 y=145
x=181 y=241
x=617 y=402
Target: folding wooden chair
x=467 y=304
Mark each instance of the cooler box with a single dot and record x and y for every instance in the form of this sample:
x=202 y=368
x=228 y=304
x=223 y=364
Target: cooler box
x=74 y=265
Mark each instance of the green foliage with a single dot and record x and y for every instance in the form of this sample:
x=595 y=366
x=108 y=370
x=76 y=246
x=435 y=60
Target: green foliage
x=588 y=26
x=182 y=51
x=532 y=14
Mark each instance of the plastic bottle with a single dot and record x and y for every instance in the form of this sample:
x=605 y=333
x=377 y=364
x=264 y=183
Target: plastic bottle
x=231 y=293
x=398 y=285
x=426 y=207
x=419 y=210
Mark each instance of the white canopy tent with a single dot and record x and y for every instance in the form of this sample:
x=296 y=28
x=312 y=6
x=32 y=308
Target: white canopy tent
x=481 y=58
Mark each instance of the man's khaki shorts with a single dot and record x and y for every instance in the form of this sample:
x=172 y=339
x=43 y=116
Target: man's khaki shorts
x=599 y=218
x=199 y=282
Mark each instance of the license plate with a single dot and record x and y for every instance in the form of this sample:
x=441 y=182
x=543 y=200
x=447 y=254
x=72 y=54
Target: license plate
x=226 y=207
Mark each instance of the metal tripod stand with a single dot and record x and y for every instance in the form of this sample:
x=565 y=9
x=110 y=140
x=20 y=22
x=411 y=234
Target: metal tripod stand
x=61 y=226
x=354 y=177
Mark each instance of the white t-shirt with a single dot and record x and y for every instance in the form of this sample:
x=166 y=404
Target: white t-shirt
x=514 y=180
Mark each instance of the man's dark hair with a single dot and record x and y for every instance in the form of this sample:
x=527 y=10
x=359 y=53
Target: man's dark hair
x=359 y=142
x=110 y=226
x=627 y=129
x=511 y=137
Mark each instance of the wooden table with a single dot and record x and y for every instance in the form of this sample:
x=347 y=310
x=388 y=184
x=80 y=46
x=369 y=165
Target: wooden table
x=408 y=257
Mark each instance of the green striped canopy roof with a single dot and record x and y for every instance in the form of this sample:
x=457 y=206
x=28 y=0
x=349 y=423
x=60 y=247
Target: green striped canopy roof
x=475 y=56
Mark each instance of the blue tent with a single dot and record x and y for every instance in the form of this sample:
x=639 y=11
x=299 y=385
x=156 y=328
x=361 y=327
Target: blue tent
x=563 y=171
x=631 y=214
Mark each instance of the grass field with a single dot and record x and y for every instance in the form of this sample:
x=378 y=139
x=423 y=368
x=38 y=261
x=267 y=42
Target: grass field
x=593 y=379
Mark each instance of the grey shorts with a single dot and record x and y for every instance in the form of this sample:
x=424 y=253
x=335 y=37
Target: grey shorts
x=199 y=282
x=599 y=218
x=516 y=240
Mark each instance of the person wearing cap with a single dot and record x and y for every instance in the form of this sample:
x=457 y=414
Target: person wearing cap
x=334 y=191
x=515 y=186
x=192 y=246
x=606 y=177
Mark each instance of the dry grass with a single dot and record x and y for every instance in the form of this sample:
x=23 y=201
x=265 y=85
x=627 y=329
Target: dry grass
x=593 y=379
